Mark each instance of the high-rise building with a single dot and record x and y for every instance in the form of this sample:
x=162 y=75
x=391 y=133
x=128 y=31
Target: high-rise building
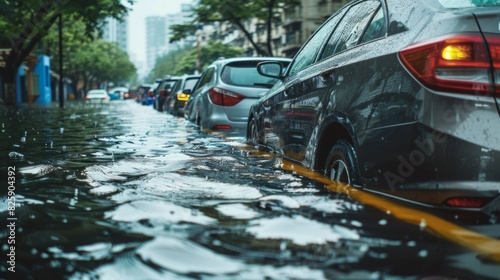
x=184 y=17
x=116 y=31
x=156 y=39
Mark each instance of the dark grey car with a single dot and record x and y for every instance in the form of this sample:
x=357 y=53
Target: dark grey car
x=398 y=97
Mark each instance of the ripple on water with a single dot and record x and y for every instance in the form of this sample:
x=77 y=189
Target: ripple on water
x=159 y=211
x=183 y=256
x=172 y=184
x=237 y=211
x=38 y=170
x=298 y=229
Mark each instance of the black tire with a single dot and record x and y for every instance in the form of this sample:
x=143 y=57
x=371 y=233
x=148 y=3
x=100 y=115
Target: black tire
x=254 y=135
x=342 y=164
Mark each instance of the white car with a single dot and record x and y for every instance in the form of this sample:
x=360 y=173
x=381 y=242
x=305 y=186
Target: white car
x=97 y=96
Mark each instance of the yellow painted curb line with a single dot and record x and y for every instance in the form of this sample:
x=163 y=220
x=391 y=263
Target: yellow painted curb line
x=482 y=244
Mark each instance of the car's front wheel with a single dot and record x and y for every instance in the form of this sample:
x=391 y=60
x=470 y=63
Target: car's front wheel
x=342 y=164
x=254 y=136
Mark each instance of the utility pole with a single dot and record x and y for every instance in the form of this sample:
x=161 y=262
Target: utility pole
x=61 y=74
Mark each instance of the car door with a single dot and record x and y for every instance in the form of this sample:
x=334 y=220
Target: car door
x=192 y=105
x=279 y=105
x=310 y=93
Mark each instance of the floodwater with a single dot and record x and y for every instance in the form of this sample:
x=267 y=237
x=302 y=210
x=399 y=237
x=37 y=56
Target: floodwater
x=120 y=191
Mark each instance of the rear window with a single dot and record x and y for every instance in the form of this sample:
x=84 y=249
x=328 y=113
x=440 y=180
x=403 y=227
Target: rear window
x=244 y=74
x=468 y=3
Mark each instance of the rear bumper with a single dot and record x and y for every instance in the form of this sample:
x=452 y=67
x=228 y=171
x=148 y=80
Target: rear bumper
x=438 y=168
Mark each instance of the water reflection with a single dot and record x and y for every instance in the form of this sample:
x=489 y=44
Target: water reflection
x=119 y=191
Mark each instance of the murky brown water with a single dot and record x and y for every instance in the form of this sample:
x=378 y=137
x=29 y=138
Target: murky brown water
x=119 y=191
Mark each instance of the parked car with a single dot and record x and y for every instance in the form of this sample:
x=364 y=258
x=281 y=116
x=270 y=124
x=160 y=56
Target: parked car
x=143 y=95
x=180 y=94
x=97 y=96
x=398 y=97
x=122 y=92
x=151 y=93
x=164 y=90
x=226 y=90
x=114 y=95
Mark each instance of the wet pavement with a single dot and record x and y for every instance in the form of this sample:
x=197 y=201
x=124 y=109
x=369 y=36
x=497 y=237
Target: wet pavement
x=120 y=191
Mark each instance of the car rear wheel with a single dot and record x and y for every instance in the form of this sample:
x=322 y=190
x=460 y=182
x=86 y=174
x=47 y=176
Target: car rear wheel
x=342 y=164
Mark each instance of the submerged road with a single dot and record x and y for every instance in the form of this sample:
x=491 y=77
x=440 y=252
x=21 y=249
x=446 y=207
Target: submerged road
x=120 y=191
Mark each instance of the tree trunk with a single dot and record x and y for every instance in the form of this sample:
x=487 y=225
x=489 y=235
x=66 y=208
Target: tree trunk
x=249 y=37
x=270 y=16
x=19 y=52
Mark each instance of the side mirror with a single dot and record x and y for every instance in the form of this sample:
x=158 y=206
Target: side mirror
x=270 y=69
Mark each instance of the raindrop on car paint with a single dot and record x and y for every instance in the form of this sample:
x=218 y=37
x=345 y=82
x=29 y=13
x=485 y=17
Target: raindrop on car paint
x=63 y=148
x=61 y=130
x=382 y=222
x=23 y=140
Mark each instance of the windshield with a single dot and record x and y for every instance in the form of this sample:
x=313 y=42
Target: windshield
x=468 y=3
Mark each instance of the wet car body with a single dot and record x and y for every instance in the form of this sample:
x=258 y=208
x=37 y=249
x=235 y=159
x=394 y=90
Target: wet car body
x=429 y=136
x=226 y=90
x=164 y=90
x=142 y=94
x=175 y=102
x=97 y=96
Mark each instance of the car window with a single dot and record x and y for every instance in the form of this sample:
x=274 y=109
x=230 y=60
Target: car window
x=377 y=27
x=309 y=51
x=205 y=78
x=176 y=86
x=190 y=83
x=244 y=74
x=350 y=28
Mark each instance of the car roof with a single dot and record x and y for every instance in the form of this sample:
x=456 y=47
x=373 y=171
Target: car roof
x=97 y=90
x=250 y=58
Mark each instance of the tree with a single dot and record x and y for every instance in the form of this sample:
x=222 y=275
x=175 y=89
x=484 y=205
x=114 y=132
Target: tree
x=184 y=61
x=25 y=23
x=235 y=12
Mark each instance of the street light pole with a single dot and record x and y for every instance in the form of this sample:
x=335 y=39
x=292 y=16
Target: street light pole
x=61 y=74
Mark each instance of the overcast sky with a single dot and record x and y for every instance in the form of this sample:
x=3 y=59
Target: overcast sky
x=137 y=22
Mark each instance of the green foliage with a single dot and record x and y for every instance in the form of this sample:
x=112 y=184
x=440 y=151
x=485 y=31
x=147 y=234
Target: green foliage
x=235 y=12
x=185 y=61
x=24 y=23
x=103 y=61
x=86 y=56
x=181 y=31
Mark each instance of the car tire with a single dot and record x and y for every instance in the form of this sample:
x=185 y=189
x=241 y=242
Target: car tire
x=254 y=135
x=342 y=164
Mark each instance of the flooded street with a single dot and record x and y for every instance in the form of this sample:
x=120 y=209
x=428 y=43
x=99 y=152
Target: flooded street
x=120 y=191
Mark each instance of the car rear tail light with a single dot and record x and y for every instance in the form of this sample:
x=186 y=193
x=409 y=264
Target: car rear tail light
x=467 y=202
x=454 y=63
x=224 y=97
x=222 y=127
x=182 y=96
x=494 y=44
